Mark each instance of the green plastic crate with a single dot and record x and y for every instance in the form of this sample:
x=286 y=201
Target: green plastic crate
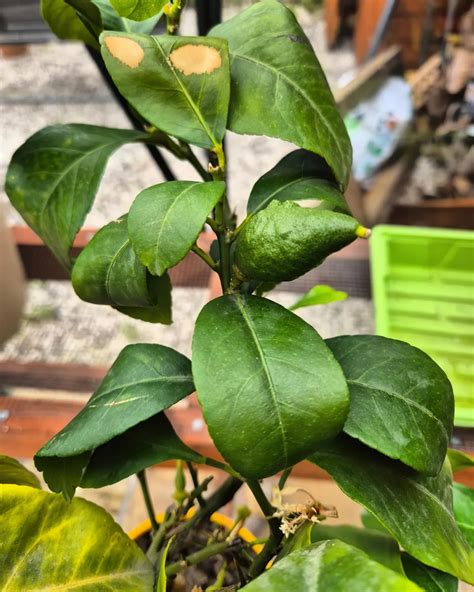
x=423 y=288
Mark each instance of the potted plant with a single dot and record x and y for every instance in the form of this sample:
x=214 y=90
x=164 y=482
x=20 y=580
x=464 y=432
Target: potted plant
x=375 y=413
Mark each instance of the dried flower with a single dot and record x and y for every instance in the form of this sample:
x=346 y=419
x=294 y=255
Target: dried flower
x=295 y=506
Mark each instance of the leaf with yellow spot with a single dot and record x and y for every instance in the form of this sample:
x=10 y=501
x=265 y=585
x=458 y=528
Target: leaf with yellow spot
x=49 y=544
x=179 y=84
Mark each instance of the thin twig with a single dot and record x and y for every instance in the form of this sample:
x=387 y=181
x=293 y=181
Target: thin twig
x=147 y=498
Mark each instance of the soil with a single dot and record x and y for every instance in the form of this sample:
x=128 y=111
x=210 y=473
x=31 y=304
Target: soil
x=198 y=577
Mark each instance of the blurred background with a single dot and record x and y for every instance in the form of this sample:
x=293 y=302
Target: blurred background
x=403 y=77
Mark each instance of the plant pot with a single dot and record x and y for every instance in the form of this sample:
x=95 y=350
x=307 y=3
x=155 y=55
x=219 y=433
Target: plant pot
x=216 y=518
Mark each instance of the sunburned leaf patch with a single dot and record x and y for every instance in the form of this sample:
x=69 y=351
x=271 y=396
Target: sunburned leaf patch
x=125 y=50
x=196 y=59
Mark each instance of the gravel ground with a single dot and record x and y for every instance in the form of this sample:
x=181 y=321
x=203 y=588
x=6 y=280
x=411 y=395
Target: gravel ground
x=59 y=83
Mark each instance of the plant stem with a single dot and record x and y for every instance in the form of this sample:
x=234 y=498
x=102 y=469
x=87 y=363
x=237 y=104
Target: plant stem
x=204 y=256
x=197 y=557
x=268 y=551
x=147 y=498
x=153 y=550
x=266 y=507
x=276 y=535
x=173 y=15
x=214 y=502
x=284 y=477
x=195 y=480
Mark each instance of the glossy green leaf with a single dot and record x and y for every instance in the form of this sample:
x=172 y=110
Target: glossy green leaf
x=269 y=388
x=138 y=10
x=64 y=22
x=428 y=578
x=300 y=175
x=165 y=220
x=402 y=403
x=463 y=502
x=330 y=566
x=49 y=544
x=278 y=86
x=179 y=84
x=415 y=509
x=370 y=521
x=459 y=460
x=89 y=13
x=379 y=547
x=13 y=472
x=319 y=294
x=144 y=380
x=99 y=15
x=285 y=240
x=54 y=176
x=108 y=272
x=63 y=473
x=148 y=443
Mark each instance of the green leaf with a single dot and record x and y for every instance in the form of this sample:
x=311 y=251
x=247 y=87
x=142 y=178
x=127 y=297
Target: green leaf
x=401 y=401
x=269 y=388
x=63 y=474
x=54 y=176
x=278 y=86
x=459 y=460
x=162 y=578
x=64 y=22
x=90 y=15
x=179 y=84
x=14 y=473
x=285 y=240
x=370 y=521
x=415 y=509
x=428 y=578
x=138 y=10
x=144 y=380
x=330 y=566
x=150 y=442
x=463 y=501
x=320 y=294
x=99 y=15
x=108 y=272
x=379 y=547
x=49 y=544
x=165 y=220
x=300 y=175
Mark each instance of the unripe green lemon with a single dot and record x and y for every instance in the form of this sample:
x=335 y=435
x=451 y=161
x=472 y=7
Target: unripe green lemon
x=285 y=240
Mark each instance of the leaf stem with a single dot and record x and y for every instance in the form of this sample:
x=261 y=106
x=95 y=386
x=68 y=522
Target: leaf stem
x=194 y=477
x=276 y=535
x=205 y=257
x=148 y=503
x=193 y=159
x=284 y=477
x=198 y=556
x=241 y=226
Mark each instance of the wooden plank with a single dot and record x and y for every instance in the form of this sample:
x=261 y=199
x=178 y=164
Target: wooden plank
x=379 y=199
x=62 y=377
x=26 y=424
x=40 y=263
x=369 y=79
x=439 y=213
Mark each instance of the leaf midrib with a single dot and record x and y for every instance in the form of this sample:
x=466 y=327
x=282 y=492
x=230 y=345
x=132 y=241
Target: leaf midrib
x=267 y=374
x=164 y=219
x=188 y=97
